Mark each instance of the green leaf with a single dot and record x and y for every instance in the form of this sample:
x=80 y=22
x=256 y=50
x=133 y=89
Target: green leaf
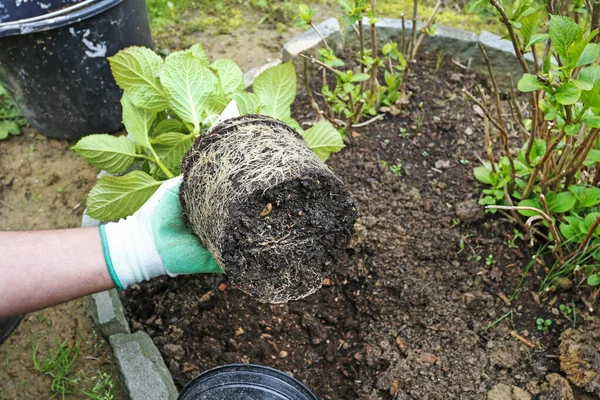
x=112 y=154
x=360 y=77
x=567 y=93
x=169 y=125
x=197 y=51
x=230 y=75
x=590 y=74
x=589 y=55
x=560 y=203
x=323 y=139
x=276 y=90
x=592 y=121
x=563 y=32
x=136 y=70
x=483 y=174
x=137 y=121
x=583 y=85
x=588 y=221
x=475 y=4
x=529 y=26
x=529 y=203
x=248 y=103
x=593 y=280
x=537 y=38
x=190 y=87
x=9 y=128
x=115 y=197
x=171 y=147
x=529 y=83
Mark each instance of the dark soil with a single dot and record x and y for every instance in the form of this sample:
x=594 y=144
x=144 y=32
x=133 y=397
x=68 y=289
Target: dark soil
x=420 y=309
x=278 y=242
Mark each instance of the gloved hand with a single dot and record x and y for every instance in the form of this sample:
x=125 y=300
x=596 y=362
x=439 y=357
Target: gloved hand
x=154 y=241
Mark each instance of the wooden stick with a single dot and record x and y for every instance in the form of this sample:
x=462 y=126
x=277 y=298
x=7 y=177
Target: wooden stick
x=522 y=339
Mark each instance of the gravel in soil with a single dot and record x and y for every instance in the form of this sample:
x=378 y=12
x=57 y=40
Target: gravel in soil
x=411 y=313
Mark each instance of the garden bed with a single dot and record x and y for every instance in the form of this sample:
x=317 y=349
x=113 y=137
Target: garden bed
x=406 y=313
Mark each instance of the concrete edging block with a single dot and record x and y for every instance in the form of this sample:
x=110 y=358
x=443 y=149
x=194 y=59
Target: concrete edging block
x=144 y=372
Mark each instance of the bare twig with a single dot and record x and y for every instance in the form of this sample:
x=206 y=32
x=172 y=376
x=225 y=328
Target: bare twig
x=511 y=32
x=595 y=17
x=413 y=39
x=503 y=133
x=320 y=35
x=522 y=339
x=589 y=235
x=537 y=167
x=368 y=122
x=311 y=99
x=403 y=42
x=424 y=29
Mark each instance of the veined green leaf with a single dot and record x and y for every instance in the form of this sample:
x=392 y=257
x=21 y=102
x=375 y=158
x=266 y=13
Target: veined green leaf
x=248 y=103
x=323 y=139
x=529 y=83
x=483 y=174
x=583 y=85
x=537 y=38
x=276 y=89
x=563 y=32
x=567 y=93
x=198 y=52
x=590 y=74
x=171 y=147
x=475 y=4
x=190 y=87
x=137 y=121
x=169 y=125
x=529 y=26
x=136 y=70
x=592 y=121
x=529 y=203
x=360 y=77
x=230 y=75
x=589 y=55
x=561 y=202
x=115 y=197
x=110 y=153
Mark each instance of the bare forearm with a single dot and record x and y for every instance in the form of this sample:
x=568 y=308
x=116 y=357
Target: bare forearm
x=43 y=268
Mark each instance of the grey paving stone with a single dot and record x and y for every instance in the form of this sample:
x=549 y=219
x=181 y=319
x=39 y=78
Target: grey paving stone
x=502 y=58
x=330 y=29
x=106 y=310
x=143 y=370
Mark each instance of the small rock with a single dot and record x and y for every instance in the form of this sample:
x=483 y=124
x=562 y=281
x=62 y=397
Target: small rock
x=502 y=391
x=327 y=282
x=469 y=131
x=222 y=286
x=283 y=354
x=442 y=164
x=470 y=301
x=469 y=211
x=427 y=358
x=239 y=332
x=427 y=205
x=174 y=351
x=478 y=110
x=564 y=283
x=580 y=357
x=557 y=388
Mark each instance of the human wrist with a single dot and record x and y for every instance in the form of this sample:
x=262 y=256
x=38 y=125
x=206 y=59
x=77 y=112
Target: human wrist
x=130 y=252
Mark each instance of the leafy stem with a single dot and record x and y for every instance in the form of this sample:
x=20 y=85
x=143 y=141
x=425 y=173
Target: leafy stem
x=160 y=164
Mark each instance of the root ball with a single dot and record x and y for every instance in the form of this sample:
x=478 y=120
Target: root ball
x=272 y=214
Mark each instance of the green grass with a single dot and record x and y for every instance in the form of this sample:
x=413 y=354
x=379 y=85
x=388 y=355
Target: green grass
x=59 y=366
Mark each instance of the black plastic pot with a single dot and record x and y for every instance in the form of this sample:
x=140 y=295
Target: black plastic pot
x=245 y=381
x=53 y=63
x=8 y=325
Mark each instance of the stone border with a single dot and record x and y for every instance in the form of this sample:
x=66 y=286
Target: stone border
x=141 y=365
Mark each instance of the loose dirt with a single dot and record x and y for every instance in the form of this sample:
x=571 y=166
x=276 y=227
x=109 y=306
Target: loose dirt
x=421 y=307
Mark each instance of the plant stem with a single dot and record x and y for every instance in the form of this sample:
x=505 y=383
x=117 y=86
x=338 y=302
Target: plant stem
x=511 y=32
x=373 y=80
x=403 y=42
x=595 y=17
x=537 y=167
x=311 y=99
x=162 y=166
x=503 y=133
x=589 y=235
x=413 y=40
x=361 y=37
x=424 y=29
x=320 y=35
